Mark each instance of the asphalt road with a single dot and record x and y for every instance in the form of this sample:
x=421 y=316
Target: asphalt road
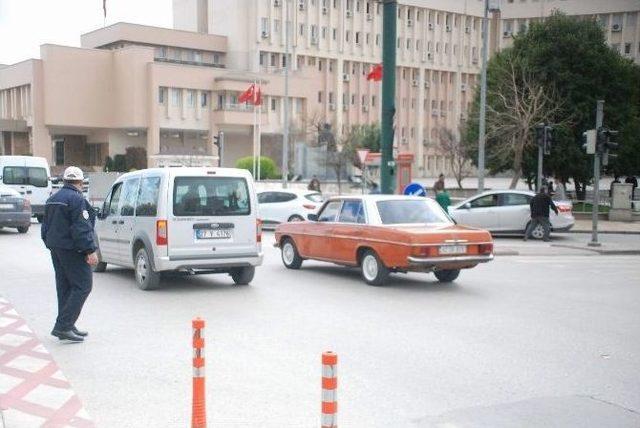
x=516 y=342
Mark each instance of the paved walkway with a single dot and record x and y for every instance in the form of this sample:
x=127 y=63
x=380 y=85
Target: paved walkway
x=605 y=226
x=33 y=390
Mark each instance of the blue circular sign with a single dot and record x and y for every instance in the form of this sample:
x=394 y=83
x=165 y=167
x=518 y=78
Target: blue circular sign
x=415 y=189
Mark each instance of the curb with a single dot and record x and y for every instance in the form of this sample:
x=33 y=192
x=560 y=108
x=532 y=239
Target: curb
x=33 y=390
x=607 y=232
x=602 y=251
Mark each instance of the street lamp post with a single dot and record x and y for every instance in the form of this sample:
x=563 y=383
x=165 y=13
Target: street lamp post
x=285 y=134
x=390 y=15
x=489 y=6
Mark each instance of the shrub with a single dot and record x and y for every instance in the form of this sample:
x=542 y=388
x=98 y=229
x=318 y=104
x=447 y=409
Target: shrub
x=268 y=168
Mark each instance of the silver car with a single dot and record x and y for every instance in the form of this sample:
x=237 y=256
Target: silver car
x=15 y=209
x=508 y=212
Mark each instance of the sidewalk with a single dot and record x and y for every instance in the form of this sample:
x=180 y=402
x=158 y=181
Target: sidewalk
x=605 y=226
x=33 y=390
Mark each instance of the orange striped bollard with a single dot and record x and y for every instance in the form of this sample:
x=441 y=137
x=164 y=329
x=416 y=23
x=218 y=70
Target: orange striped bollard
x=198 y=411
x=329 y=417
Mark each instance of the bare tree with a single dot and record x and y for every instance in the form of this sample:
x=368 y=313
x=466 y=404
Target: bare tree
x=453 y=147
x=516 y=102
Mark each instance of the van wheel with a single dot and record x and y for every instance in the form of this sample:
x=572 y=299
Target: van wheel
x=374 y=272
x=146 y=277
x=40 y=218
x=243 y=275
x=290 y=256
x=23 y=229
x=447 y=275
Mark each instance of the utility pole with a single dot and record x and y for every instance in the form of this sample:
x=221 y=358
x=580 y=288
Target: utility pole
x=540 y=135
x=387 y=164
x=285 y=134
x=483 y=97
x=596 y=179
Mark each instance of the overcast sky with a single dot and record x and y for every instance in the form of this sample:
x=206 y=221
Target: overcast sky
x=26 y=24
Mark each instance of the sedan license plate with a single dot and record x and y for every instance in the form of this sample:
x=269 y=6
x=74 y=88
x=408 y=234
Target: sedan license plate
x=213 y=234
x=453 y=249
x=6 y=206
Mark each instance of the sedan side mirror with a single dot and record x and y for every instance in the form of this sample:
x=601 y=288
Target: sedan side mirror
x=312 y=217
x=467 y=206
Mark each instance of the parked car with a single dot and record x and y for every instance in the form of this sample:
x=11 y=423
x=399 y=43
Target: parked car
x=281 y=206
x=15 y=209
x=507 y=212
x=30 y=176
x=382 y=234
x=192 y=220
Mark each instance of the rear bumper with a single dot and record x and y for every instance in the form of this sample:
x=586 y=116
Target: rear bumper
x=563 y=228
x=208 y=262
x=431 y=262
x=15 y=219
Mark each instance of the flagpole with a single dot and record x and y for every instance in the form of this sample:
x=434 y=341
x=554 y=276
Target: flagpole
x=254 y=133
x=259 y=131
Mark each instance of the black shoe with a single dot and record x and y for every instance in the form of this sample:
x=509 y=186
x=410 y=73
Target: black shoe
x=79 y=332
x=67 y=335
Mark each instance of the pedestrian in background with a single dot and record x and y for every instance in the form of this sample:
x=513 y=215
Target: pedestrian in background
x=442 y=198
x=616 y=180
x=67 y=231
x=314 y=185
x=631 y=179
x=540 y=205
x=439 y=184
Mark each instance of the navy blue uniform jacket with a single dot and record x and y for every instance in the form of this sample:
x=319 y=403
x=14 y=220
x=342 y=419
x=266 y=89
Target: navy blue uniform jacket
x=69 y=221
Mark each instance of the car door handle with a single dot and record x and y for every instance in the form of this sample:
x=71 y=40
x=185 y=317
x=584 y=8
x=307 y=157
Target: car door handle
x=29 y=192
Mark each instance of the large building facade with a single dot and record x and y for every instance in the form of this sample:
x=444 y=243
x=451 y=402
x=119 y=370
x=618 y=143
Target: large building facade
x=169 y=91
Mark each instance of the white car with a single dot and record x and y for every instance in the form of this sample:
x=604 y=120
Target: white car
x=193 y=220
x=507 y=211
x=30 y=176
x=285 y=205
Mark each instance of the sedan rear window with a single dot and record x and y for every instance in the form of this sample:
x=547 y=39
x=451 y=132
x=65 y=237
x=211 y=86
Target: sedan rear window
x=411 y=211
x=314 y=197
x=210 y=196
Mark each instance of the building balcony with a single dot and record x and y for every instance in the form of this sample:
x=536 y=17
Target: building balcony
x=238 y=114
x=185 y=62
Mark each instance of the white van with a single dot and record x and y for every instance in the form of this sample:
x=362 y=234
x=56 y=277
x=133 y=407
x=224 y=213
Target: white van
x=193 y=220
x=30 y=176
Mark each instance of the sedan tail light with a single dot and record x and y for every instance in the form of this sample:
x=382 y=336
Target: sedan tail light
x=27 y=205
x=564 y=208
x=485 y=248
x=309 y=206
x=426 y=251
x=162 y=232
x=258 y=230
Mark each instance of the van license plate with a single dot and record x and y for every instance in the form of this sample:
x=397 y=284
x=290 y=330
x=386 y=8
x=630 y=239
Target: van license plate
x=6 y=206
x=213 y=234
x=453 y=249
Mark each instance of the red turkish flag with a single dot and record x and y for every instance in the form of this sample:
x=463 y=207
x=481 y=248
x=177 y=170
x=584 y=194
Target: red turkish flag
x=257 y=100
x=376 y=73
x=248 y=95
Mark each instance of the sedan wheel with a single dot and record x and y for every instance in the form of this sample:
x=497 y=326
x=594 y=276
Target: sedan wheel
x=295 y=218
x=447 y=275
x=374 y=272
x=538 y=232
x=146 y=278
x=290 y=257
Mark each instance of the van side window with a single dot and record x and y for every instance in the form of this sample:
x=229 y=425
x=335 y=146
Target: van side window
x=111 y=204
x=14 y=175
x=129 y=196
x=147 y=205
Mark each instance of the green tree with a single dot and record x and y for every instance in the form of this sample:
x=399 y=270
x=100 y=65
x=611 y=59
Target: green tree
x=268 y=168
x=571 y=58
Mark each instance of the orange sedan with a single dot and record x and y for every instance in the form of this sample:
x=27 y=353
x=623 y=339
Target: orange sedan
x=383 y=234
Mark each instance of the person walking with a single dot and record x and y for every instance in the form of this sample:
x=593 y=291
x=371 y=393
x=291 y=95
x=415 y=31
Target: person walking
x=540 y=205
x=439 y=184
x=67 y=231
x=443 y=199
x=314 y=185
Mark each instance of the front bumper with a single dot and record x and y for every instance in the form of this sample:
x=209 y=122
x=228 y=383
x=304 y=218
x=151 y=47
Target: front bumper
x=430 y=262
x=206 y=263
x=18 y=219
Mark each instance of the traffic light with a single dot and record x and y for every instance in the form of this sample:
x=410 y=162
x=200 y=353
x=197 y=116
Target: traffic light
x=540 y=134
x=589 y=141
x=601 y=140
x=609 y=146
x=548 y=139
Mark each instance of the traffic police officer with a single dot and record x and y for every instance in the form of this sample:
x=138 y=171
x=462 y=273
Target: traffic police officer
x=67 y=231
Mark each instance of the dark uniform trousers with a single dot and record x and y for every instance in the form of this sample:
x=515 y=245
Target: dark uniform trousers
x=73 y=285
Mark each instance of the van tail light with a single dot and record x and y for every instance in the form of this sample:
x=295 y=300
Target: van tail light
x=162 y=232
x=426 y=251
x=309 y=206
x=485 y=249
x=27 y=205
x=258 y=230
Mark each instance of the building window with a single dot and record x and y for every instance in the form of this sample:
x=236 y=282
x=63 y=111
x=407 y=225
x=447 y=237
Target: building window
x=191 y=98
x=334 y=33
x=204 y=99
x=264 y=25
x=330 y=66
x=161 y=95
x=276 y=25
x=274 y=104
x=301 y=30
x=324 y=33
x=627 y=48
x=373 y=100
x=319 y=96
x=377 y=39
x=353 y=99
x=175 y=97
x=197 y=56
x=357 y=37
x=330 y=97
x=346 y=36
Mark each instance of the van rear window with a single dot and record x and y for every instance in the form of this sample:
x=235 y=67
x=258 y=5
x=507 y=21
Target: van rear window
x=34 y=176
x=210 y=196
